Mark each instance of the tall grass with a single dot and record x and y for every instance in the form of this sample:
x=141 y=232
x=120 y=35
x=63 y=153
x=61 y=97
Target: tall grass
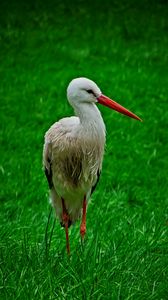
x=123 y=47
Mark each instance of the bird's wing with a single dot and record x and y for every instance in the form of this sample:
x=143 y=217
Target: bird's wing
x=53 y=136
x=47 y=163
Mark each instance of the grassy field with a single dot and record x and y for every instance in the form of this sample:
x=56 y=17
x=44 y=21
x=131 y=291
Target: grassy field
x=121 y=45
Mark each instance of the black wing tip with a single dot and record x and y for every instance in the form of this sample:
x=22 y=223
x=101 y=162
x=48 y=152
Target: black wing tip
x=94 y=186
x=49 y=177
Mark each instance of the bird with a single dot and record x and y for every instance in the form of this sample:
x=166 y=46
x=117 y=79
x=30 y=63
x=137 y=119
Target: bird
x=73 y=153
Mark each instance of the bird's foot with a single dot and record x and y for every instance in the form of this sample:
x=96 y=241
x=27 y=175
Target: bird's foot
x=83 y=224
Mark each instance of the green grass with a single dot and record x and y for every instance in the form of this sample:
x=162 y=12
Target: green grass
x=122 y=45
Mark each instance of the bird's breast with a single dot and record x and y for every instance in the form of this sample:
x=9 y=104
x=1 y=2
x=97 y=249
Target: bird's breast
x=75 y=164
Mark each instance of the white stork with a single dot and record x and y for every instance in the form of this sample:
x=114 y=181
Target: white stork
x=73 y=152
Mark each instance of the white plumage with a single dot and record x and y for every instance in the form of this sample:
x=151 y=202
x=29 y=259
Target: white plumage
x=73 y=152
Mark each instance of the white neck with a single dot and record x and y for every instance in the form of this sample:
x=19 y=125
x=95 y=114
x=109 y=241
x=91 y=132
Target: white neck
x=90 y=118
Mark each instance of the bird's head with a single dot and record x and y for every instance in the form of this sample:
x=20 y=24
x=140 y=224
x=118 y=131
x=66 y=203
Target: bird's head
x=83 y=90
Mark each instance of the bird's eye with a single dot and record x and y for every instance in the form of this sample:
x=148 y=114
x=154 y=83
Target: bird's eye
x=91 y=92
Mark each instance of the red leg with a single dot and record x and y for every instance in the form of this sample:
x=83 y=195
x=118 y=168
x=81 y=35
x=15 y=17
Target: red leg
x=65 y=218
x=83 y=223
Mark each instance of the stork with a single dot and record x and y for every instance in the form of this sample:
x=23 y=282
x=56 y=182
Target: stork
x=73 y=152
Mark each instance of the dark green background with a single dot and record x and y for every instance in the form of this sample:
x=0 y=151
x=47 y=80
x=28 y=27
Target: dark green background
x=122 y=46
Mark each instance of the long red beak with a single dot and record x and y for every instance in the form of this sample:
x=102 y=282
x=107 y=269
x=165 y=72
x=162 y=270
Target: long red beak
x=114 y=105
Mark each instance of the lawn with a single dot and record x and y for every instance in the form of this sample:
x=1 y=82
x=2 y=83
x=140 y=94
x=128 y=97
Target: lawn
x=122 y=46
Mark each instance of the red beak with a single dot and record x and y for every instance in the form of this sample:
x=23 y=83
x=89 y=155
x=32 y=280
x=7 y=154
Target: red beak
x=114 y=105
